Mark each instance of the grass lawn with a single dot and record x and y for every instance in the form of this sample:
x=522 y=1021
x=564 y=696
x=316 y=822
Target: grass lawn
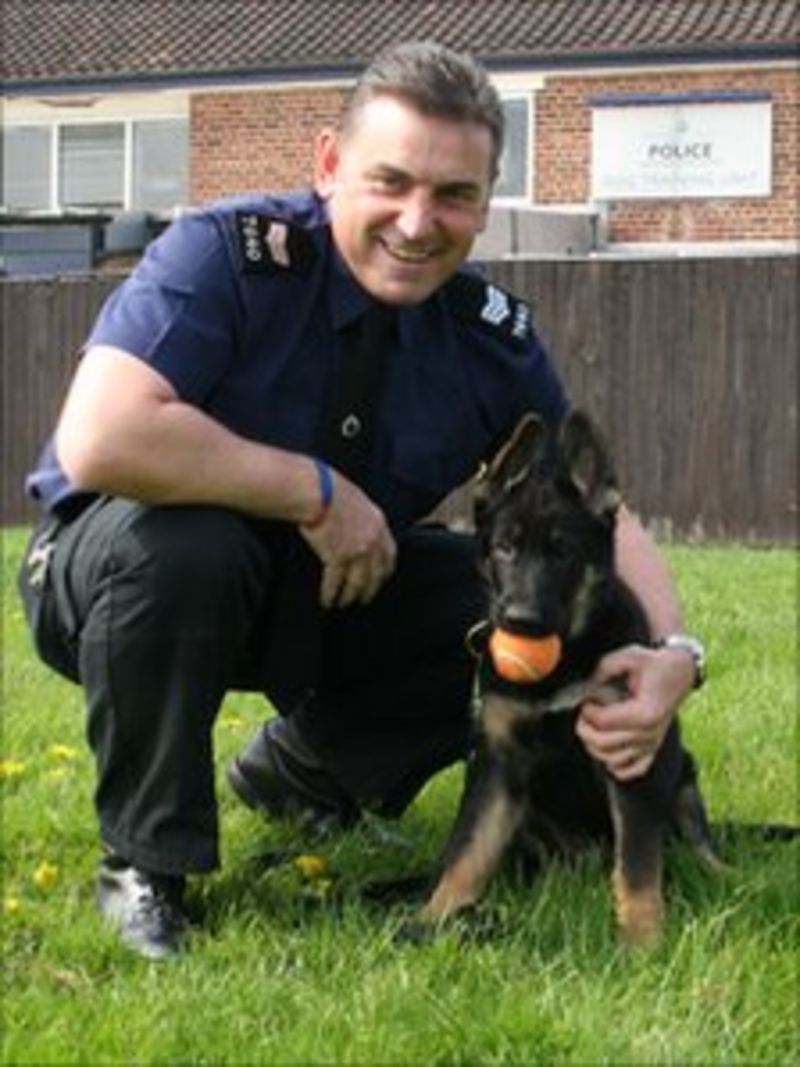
x=294 y=970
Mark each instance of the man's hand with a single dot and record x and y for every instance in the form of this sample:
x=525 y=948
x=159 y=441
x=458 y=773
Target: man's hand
x=355 y=545
x=626 y=736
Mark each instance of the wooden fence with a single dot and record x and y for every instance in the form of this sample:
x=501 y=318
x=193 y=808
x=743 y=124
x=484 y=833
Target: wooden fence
x=690 y=365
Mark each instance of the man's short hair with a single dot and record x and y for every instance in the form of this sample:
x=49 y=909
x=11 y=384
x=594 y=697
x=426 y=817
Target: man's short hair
x=436 y=81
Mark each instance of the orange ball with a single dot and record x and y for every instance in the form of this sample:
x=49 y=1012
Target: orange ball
x=524 y=660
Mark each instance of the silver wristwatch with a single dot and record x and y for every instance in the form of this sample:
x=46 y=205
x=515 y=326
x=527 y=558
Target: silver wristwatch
x=695 y=649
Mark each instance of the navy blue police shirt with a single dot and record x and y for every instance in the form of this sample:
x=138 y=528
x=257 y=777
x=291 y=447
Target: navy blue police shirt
x=241 y=307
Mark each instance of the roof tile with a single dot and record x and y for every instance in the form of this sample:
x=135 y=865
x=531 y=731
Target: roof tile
x=59 y=40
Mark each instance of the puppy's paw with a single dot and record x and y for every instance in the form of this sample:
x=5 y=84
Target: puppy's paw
x=474 y=925
x=417 y=931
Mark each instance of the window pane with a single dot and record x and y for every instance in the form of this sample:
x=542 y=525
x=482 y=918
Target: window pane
x=514 y=163
x=160 y=164
x=26 y=168
x=92 y=168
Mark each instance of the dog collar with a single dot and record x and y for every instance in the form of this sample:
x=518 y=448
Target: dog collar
x=694 y=647
x=477 y=638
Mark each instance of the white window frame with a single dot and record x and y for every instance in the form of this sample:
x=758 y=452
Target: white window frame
x=55 y=165
x=54 y=171
x=127 y=173
x=56 y=125
x=526 y=197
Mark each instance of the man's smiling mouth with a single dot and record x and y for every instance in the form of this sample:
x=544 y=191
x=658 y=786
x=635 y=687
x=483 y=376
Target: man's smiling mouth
x=410 y=255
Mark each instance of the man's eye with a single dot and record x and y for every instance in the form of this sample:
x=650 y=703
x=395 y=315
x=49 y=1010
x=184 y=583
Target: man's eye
x=387 y=182
x=460 y=194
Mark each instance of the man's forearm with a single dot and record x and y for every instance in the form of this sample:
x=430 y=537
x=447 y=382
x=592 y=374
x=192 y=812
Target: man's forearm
x=124 y=431
x=641 y=565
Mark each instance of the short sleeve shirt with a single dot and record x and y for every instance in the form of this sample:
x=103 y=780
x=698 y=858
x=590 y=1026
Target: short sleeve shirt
x=241 y=307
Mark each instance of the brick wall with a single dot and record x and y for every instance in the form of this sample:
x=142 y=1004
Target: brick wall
x=242 y=141
x=563 y=146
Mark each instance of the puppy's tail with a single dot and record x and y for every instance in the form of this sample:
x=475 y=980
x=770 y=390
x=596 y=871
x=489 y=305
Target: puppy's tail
x=691 y=821
x=692 y=824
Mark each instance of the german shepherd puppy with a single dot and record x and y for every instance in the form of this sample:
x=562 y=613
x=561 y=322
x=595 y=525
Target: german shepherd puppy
x=545 y=515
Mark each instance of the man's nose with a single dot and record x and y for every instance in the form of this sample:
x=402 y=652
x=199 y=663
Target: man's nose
x=416 y=220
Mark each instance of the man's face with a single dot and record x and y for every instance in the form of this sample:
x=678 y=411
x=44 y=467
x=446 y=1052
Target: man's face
x=408 y=194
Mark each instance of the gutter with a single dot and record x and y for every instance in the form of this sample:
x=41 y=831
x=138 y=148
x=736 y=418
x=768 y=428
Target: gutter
x=687 y=55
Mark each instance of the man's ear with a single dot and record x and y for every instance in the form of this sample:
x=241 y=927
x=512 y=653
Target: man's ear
x=326 y=162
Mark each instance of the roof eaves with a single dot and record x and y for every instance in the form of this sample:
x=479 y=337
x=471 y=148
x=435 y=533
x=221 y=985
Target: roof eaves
x=682 y=55
x=127 y=82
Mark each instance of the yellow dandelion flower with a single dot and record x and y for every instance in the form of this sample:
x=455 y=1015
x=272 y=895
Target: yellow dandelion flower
x=311 y=866
x=11 y=905
x=65 y=752
x=58 y=774
x=232 y=721
x=46 y=875
x=11 y=768
x=322 y=887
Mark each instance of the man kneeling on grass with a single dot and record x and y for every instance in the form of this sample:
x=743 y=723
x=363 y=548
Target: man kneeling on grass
x=263 y=413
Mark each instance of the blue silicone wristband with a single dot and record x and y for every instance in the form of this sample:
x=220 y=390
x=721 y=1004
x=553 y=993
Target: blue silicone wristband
x=325 y=475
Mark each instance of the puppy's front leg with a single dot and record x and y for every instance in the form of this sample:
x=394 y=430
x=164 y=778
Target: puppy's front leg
x=492 y=808
x=638 y=861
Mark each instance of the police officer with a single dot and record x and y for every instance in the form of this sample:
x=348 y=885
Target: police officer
x=265 y=409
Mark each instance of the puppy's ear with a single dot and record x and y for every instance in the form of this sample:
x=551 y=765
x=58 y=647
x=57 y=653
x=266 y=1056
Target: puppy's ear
x=516 y=458
x=587 y=463
x=511 y=464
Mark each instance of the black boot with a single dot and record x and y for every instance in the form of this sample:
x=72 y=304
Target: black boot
x=278 y=775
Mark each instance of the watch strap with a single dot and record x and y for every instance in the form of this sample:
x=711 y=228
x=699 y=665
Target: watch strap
x=692 y=645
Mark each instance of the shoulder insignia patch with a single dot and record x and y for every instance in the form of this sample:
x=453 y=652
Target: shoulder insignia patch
x=490 y=308
x=268 y=244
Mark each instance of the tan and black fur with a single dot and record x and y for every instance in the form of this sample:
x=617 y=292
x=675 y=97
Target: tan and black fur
x=545 y=517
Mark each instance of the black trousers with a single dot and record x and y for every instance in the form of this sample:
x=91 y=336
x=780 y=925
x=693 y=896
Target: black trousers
x=159 y=611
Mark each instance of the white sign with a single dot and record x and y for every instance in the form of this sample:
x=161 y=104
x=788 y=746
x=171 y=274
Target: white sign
x=682 y=150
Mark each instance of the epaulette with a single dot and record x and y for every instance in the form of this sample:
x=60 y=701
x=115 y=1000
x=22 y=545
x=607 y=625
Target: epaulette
x=269 y=244
x=490 y=308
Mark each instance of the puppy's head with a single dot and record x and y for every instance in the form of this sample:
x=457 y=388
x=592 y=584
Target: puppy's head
x=544 y=512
